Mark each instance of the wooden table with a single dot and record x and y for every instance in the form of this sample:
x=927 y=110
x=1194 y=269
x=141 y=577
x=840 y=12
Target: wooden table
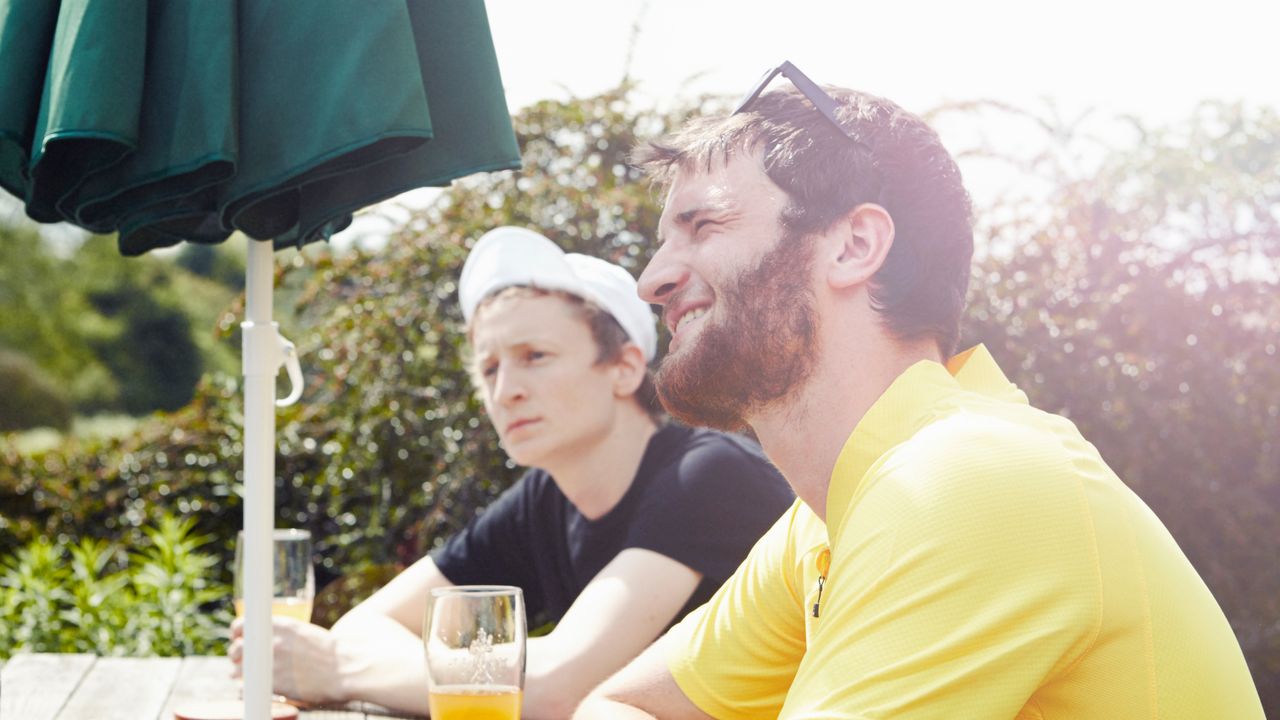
x=87 y=687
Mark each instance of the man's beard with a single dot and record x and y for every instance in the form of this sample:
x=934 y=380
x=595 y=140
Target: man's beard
x=763 y=347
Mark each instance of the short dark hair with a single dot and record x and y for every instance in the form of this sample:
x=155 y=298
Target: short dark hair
x=899 y=163
x=608 y=334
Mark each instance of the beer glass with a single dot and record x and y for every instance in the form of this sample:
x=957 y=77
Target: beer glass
x=293 y=583
x=475 y=643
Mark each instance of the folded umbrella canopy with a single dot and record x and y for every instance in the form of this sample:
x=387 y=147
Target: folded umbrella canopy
x=186 y=121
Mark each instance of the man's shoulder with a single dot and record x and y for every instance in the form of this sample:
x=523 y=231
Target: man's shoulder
x=702 y=448
x=534 y=487
x=696 y=438
x=700 y=457
x=983 y=426
x=983 y=445
x=683 y=440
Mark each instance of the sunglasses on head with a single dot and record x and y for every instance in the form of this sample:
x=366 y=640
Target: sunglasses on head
x=816 y=96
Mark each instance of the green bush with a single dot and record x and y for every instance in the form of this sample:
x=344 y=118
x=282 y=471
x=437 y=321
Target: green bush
x=92 y=597
x=29 y=398
x=113 y=488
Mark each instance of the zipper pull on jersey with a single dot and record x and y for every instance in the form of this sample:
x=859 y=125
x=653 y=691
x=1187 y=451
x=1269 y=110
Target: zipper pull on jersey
x=824 y=564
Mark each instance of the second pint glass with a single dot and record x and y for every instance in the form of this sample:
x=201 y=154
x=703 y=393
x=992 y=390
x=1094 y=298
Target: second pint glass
x=475 y=644
x=293 y=580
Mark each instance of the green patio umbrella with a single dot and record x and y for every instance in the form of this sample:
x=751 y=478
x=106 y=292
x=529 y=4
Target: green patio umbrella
x=168 y=121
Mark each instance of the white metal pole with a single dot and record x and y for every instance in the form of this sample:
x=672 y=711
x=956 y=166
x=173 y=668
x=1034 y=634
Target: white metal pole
x=260 y=353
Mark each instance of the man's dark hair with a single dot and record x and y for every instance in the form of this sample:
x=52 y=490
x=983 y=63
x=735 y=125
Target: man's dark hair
x=608 y=334
x=899 y=163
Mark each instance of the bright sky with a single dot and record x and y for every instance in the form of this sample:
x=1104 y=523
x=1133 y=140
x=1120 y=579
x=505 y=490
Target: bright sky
x=1154 y=60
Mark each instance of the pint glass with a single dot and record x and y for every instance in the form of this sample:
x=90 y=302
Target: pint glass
x=293 y=583
x=475 y=644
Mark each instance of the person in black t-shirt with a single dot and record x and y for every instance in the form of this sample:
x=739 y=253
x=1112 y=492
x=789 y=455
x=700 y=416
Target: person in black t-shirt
x=620 y=527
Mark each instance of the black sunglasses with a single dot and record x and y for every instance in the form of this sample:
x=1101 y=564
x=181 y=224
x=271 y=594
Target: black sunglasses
x=816 y=95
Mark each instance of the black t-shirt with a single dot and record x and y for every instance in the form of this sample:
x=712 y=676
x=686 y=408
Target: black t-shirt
x=700 y=497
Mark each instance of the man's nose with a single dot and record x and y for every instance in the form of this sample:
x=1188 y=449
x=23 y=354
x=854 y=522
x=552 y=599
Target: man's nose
x=509 y=387
x=662 y=277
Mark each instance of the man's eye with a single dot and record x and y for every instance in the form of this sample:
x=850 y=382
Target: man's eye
x=535 y=355
x=701 y=225
x=489 y=370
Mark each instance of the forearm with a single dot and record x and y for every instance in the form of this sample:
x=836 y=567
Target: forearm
x=382 y=662
x=559 y=674
x=645 y=688
x=613 y=620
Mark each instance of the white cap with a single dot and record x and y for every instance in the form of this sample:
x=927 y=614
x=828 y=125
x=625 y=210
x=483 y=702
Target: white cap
x=508 y=256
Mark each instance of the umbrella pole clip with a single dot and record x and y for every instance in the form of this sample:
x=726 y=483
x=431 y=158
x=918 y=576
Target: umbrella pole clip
x=266 y=351
x=291 y=364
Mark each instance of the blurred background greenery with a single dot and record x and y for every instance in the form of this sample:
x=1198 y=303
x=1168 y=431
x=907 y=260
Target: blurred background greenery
x=1134 y=290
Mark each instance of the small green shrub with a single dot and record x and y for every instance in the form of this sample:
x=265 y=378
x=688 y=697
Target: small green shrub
x=93 y=597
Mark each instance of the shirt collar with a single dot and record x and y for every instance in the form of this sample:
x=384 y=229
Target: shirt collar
x=975 y=370
x=906 y=406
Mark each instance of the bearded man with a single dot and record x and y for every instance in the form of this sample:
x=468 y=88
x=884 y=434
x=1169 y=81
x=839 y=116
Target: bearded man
x=953 y=552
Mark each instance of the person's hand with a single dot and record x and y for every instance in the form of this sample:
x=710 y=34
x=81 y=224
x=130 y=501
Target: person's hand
x=306 y=660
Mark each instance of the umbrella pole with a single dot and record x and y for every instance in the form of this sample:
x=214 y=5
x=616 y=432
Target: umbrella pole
x=260 y=353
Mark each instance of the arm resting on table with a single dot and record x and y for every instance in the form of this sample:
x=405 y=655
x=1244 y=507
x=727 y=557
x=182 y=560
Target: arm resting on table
x=643 y=689
x=374 y=652
x=615 y=617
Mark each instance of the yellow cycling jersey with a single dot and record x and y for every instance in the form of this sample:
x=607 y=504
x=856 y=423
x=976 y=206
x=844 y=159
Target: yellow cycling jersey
x=979 y=560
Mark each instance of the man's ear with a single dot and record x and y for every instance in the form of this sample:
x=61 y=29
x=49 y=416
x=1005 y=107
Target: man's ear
x=628 y=370
x=859 y=244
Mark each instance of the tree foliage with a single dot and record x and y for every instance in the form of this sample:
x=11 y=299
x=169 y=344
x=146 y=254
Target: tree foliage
x=113 y=334
x=223 y=263
x=31 y=397
x=1139 y=297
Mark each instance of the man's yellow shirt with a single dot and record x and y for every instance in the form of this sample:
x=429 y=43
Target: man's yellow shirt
x=980 y=560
